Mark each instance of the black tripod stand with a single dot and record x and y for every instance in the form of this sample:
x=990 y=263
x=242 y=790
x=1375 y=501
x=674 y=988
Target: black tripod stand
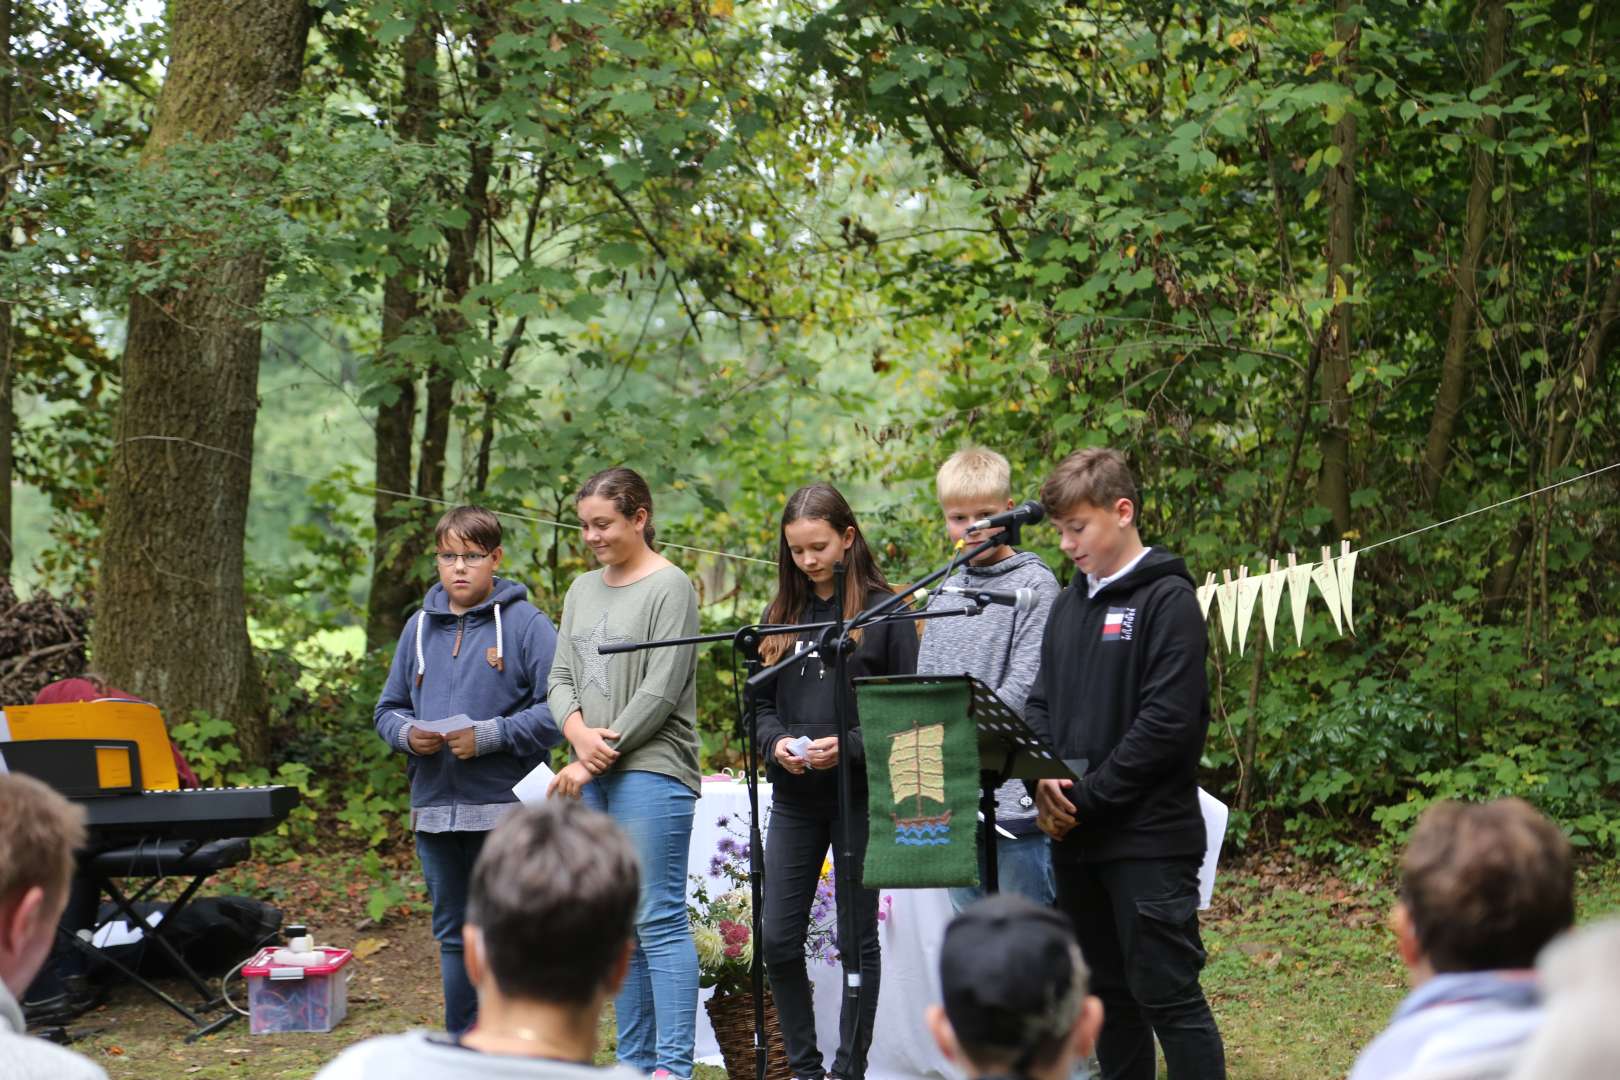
x=834 y=644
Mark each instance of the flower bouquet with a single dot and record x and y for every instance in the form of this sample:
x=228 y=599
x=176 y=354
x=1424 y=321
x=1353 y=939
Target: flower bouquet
x=722 y=928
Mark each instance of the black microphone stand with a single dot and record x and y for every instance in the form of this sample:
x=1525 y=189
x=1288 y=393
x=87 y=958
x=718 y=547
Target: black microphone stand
x=746 y=641
x=835 y=640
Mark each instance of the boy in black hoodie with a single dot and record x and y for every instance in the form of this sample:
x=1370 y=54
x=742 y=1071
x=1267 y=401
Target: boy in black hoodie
x=1121 y=695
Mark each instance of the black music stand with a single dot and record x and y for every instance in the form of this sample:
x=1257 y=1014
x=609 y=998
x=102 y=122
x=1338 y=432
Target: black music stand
x=1008 y=749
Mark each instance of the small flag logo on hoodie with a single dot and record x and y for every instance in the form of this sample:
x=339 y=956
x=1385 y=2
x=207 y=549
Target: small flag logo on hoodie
x=1118 y=624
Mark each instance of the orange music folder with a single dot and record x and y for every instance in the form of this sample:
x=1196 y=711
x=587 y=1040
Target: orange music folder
x=103 y=720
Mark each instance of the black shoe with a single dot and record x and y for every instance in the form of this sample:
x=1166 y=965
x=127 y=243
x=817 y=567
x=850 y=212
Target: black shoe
x=79 y=998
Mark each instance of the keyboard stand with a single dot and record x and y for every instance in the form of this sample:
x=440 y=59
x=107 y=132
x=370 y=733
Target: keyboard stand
x=155 y=863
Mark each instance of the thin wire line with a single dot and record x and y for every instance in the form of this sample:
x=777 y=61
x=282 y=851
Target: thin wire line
x=1493 y=506
x=425 y=498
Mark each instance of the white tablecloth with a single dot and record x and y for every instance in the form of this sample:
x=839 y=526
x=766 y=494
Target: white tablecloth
x=910 y=936
x=902 y=1049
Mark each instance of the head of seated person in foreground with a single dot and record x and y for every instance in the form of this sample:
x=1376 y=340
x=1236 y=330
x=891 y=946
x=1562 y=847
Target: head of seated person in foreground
x=550 y=916
x=1014 y=986
x=1484 y=886
x=39 y=831
x=1580 y=983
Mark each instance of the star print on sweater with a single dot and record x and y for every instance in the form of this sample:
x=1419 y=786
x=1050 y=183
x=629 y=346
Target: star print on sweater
x=593 y=665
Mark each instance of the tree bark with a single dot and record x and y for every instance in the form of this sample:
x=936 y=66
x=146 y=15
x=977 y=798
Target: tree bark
x=170 y=607
x=1333 y=482
x=1448 y=401
x=8 y=413
x=396 y=519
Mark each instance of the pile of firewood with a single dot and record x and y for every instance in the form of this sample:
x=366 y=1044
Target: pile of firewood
x=41 y=640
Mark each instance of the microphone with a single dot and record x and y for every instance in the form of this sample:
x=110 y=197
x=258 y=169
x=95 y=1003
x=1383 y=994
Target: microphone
x=1025 y=513
x=1019 y=600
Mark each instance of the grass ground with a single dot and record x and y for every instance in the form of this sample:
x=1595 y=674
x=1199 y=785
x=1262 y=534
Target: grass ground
x=1301 y=974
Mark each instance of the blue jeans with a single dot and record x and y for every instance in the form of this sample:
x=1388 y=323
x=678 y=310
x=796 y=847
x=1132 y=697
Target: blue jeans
x=1023 y=866
x=657 y=1008
x=447 y=862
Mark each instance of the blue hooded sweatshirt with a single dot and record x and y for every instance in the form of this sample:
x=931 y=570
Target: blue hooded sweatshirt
x=491 y=663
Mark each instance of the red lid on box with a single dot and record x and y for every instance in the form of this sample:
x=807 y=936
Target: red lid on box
x=261 y=967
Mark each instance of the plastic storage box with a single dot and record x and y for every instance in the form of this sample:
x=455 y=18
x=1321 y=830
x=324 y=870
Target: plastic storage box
x=285 y=997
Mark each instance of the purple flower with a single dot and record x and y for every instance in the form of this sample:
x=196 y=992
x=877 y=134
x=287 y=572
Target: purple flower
x=722 y=821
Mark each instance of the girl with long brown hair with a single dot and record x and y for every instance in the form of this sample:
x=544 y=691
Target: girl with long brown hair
x=818 y=532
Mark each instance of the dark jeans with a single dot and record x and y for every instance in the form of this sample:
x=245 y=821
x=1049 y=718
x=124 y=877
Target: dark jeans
x=447 y=862
x=794 y=851
x=1137 y=923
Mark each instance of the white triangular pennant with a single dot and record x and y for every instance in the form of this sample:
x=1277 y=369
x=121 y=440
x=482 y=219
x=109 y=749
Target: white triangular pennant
x=1345 y=565
x=1206 y=593
x=1226 y=600
x=1248 y=592
x=1299 y=593
x=1271 y=587
x=1327 y=583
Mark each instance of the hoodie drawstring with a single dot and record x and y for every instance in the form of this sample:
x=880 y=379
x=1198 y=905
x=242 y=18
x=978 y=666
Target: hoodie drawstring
x=497 y=656
x=421 y=661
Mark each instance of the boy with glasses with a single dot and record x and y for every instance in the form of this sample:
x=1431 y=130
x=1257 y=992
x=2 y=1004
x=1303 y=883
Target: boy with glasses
x=478 y=652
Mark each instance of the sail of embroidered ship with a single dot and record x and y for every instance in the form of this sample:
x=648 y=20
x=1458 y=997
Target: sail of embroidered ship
x=916 y=772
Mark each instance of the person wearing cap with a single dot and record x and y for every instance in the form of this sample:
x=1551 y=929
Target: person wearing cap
x=1014 y=988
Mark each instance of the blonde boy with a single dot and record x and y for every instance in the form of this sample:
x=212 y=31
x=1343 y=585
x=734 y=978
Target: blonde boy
x=1001 y=647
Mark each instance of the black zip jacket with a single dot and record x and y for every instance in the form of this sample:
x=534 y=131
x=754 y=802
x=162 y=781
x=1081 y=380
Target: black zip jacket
x=800 y=702
x=1122 y=686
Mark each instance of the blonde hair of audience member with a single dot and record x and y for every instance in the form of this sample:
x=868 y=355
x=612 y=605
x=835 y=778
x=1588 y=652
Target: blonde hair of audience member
x=1580 y=979
x=40 y=833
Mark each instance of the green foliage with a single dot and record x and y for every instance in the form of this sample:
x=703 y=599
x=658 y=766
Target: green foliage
x=742 y=248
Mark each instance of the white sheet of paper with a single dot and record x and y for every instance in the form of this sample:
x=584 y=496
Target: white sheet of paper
x=800 y=747
x=1271 y=587
x=1248 y=592
x=1299 y=594
x=458 y=722
x=1215 y=814
x=532 y=788
x=999 y=830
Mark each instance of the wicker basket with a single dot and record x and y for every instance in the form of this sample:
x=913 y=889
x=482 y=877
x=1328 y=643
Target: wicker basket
x=732 y=1018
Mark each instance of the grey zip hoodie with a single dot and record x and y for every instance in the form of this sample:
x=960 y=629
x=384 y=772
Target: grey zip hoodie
x=1000 y=647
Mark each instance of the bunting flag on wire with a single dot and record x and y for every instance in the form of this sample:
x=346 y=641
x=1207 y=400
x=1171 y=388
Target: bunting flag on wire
x=1237 y=597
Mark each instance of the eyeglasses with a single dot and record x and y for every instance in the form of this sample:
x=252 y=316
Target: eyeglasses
x=471 y=558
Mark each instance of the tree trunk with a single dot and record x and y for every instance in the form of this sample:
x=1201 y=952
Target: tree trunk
x=8 y=413
x=396 y=519
x=1448 y=402
x=1333 y=483
x=170 y=608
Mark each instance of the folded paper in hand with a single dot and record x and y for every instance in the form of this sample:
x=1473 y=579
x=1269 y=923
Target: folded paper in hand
x=458 y=722
x=532 y=788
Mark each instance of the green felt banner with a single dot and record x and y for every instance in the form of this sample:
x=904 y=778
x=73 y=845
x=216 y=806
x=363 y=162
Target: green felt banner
x=922 y=770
